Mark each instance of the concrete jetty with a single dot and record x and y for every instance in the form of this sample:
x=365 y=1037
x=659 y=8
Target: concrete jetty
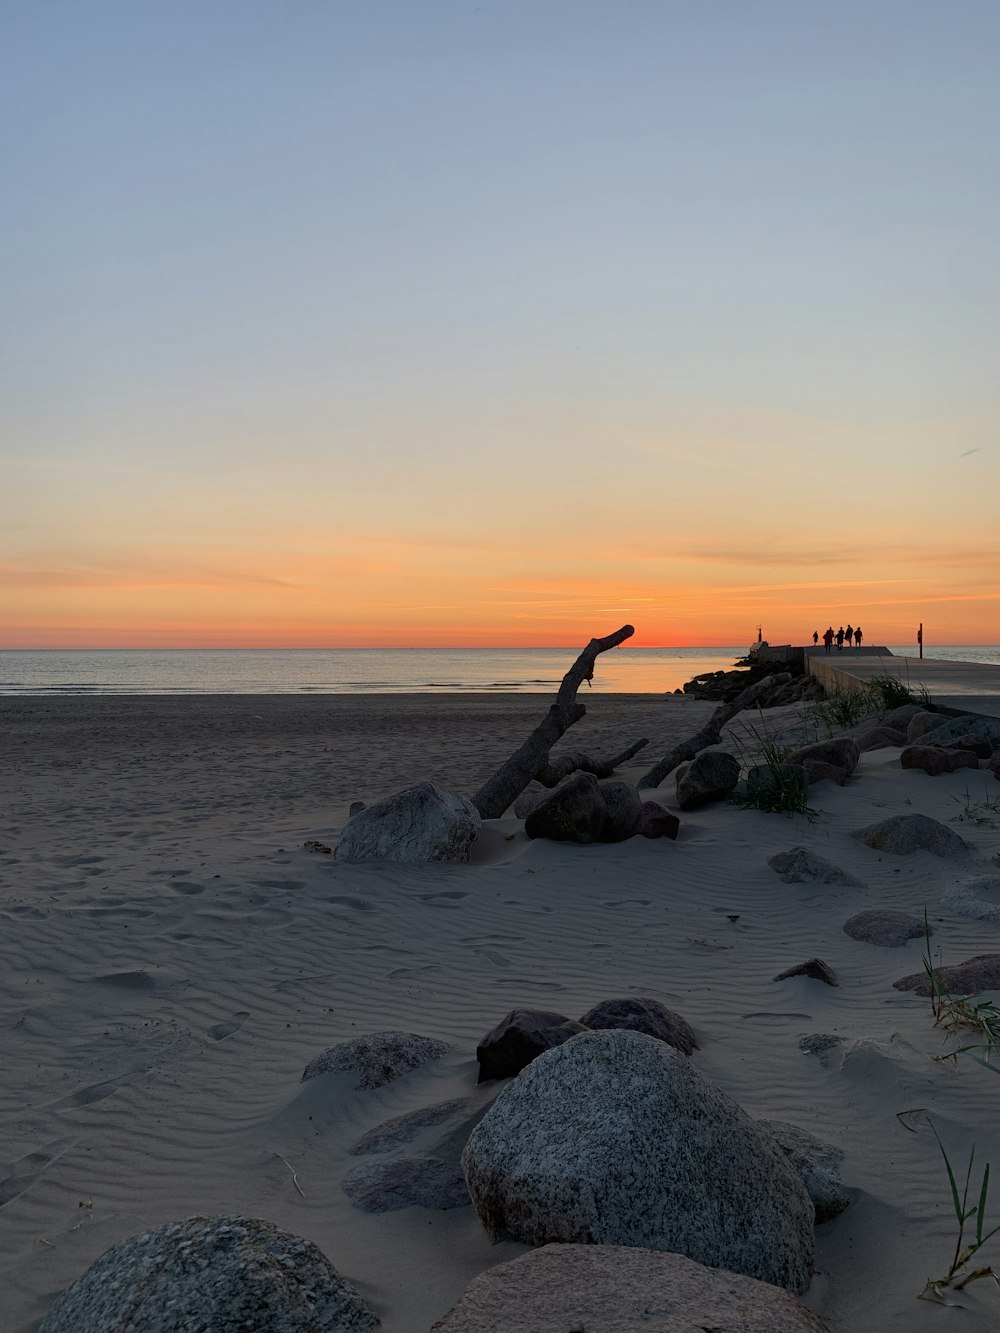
x=960 y=687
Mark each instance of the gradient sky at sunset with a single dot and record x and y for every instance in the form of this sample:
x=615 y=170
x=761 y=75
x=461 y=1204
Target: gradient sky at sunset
x=502 y=322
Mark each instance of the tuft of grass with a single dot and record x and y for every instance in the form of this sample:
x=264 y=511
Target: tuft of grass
x=781 y=792
x=984 y=813
x=958 y=1015
x=967 y=1245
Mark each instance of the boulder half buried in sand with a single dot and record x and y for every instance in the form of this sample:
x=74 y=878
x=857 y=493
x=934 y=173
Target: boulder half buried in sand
x=710 y=776
x=979 y=973
x=422 y=823
x=211 y=1273
x=575 y=811
x=842 y=752
x=902 y=834
x=935 y=760
x=519 y=1037
x=800 y=866
x=884 y=927
x=376 y=1059
x=615 y=1139
x=618 y=1289
x=817 y=1162
x=648 y=1016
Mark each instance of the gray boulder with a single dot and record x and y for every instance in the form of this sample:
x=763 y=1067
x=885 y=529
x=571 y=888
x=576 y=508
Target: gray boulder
x=812 y=967
x=800 y=866
x=980 y=746
x=378 y=1058
x=881 y=926
x=902 y=834
x=387 y=1185
x=623 y=806
x=922 y=723
x=519 y=1037
x=210 y=1274
x=935 y=759
x=979 y=899
x=981 y=972
x=880 y=738
x=817 y=1162
x=402 y=1129
x=422 y=823
x=575 y=811
x=972 y=724
x=711 y=776
x=841 y=751
x=649 y=1016
x=657 y=822
x=616 y=1139
x=818 y=770
x=616 y=1289
x=900 y=718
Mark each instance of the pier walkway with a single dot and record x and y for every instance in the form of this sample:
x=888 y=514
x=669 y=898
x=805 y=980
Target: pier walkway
x=960 y=687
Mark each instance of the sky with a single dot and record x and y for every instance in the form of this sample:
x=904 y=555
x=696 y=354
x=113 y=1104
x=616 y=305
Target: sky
x=498 y=323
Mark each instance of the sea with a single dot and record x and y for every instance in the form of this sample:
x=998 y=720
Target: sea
x=372 y=671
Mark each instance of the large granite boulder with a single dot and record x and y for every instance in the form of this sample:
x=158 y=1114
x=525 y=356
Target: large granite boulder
x=902 y=834
x=882 y=926
x=711 y=776
x=979 y=973
x=616 y=1139
x=649 y=1016
x=210 y=1273
x=935 y=760
x=900 y=718
x=817 y=1162
x=422 y=823
x=623 y=810
x=801 y=866
x=376 y=1059
x=616 y=1289
x=575 y=811
x=841 y=751
x=974 y=724
x=979 y=899
x=519 y=1037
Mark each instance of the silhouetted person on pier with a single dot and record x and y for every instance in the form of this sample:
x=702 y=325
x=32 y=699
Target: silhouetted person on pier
x=828 y=638
x=857 y=637
x=815 y=637
x=840 y=639
x=849 y=634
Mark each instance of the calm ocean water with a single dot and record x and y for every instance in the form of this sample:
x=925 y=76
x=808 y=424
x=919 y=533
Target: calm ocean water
x=364 y=671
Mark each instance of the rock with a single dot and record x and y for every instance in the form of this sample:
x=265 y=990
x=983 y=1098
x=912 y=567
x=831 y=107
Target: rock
x=821 y=1044
x=900 y=718
x=817 y=1162
x=902 y=834
x=615 y=1138
x=923 y=722
x=763 y=780
x=935 y=760
x=981 y=972
x=378 y=1058
x=711 y=776
x=974 y=724
x=979 y=899
x=812 y=967
x=880 y=738
x=656 y=822
x=993 y=764
x=406 y=1182
x=980 y=746
x=800 y=866
x=210 y=1273
x=648 y=1016
x=841 y=751
x=572 y=812
x=886 y=928
x=618 y=1289
x=818 y=770
x=528 y=799
x=392 y=1134
x=624 y=808
x=518 y=1038
x=422 y=823
x=355 y=809
x=311 y=845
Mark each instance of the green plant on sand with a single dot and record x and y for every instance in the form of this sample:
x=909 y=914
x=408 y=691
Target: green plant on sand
x=781 y=790
x=958 y=1014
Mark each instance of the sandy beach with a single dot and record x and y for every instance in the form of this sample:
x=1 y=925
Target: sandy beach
x=172 y=957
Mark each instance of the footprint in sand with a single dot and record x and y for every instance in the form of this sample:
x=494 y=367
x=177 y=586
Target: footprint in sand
x=227 y=1029
x=87 y=1096
x=449 y=899
x=497 y=959
x=24 y=1172
x=356 y=904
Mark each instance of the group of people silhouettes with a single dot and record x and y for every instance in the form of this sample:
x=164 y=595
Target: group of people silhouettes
x=839 y=637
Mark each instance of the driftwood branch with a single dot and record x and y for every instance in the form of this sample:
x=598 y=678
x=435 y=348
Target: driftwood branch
x=711 y=732
x=553 y=772
x=507 y=783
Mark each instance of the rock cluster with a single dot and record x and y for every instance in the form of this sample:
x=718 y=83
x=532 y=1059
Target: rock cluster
x=937 y=759
x=583 y=810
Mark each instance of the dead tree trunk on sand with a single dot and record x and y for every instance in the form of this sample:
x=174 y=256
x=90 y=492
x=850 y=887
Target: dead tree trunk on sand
x=507 y=783
x=711 y=732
